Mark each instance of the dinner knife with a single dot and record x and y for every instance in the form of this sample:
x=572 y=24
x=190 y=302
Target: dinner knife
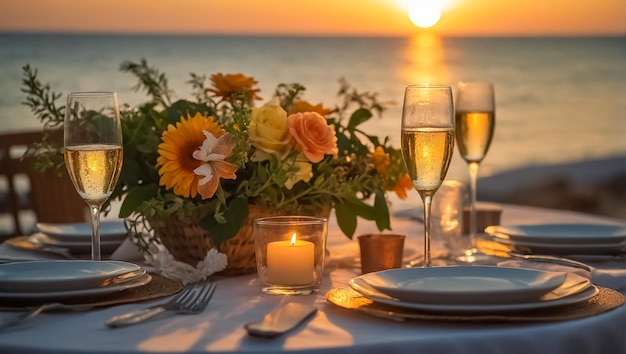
x=287 y=315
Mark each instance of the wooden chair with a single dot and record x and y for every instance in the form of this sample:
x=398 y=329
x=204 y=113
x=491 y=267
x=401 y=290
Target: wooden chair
x=51 y=197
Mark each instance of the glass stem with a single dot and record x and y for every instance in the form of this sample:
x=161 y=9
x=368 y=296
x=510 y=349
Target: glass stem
x=427 y=199
x=95 y=232
x=473 y=172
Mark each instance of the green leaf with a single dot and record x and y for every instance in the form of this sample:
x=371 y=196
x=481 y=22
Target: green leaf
x=135 y=197
x=343 y=142
x=235 y=214
x=182 y=108
x=362 y=209
x=382 y=211
x=346 y=218
x=359 y=116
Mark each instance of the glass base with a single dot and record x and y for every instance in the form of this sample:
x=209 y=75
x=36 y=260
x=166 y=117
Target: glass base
x=475 y=256
x=469 y=257
x=290 y=290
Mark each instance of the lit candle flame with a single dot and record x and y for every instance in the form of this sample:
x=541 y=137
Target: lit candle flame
x=293 y=239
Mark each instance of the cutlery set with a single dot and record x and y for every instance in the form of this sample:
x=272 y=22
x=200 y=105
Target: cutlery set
x=192 y=300
x=448 y=289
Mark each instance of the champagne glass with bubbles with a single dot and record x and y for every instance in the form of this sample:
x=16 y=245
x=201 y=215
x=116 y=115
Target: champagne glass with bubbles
x=427 y=143
x=93 y=151
x=475 y=124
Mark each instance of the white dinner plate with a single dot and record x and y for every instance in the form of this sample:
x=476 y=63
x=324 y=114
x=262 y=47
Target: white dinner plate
x=557 y=297
x=562 y=249
x=65 y=275
x=76 y=247
x=464 y=285
x=561 y=233
x=76 y=232
x=72 y=294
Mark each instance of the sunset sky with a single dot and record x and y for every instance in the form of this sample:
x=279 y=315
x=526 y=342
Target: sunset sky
x=319 y=17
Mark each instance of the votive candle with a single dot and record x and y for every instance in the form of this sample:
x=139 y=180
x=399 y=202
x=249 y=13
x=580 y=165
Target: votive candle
x=290 y=262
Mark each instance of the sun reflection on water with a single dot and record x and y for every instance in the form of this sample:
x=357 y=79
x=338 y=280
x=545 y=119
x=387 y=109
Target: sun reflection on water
x=424 y=60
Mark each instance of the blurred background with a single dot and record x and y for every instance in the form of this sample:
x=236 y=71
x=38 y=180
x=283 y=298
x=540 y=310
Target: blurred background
x=558 y=67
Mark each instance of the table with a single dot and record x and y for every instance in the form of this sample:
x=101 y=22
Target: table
x=332 y=330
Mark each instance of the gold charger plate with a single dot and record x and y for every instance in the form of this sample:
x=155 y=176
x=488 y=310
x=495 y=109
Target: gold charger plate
x=157 y=288
x=27 y=244
x=605 y=300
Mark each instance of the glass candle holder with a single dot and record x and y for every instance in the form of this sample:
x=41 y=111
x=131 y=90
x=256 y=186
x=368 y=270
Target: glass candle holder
x=290 y=253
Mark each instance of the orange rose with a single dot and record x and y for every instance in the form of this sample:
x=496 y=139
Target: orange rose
x=314 y=137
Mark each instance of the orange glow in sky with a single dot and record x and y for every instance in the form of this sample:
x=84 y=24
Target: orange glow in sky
x=320 y=17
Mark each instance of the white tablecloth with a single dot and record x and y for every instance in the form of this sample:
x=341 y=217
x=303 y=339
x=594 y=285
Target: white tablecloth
x=332 y=330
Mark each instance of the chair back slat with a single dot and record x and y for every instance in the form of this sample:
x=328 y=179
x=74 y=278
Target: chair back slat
x=51 y=197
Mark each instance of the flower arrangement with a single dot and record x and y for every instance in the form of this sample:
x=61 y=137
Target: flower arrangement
x=206 y=160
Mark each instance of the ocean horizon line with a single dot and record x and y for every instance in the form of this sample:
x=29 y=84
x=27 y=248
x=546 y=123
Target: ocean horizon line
x=313 y=36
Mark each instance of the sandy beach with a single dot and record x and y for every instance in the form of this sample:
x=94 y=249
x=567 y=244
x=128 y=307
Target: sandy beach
x=594 y=187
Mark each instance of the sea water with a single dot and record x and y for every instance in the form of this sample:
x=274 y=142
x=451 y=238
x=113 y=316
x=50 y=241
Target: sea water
x=558 y=100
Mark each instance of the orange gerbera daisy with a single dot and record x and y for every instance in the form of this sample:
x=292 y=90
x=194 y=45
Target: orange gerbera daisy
x=176 y=163
x=381 y=160
x=304 y=106
x=403 y=184
x=229 y=84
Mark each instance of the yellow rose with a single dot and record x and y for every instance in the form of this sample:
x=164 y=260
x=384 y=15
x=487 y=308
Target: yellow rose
x=269 y=132
x=305 y=172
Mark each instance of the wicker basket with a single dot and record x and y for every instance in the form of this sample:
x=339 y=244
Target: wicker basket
x=190 y=243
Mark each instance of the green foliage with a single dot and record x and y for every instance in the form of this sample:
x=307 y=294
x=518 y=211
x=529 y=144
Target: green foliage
x=350 y=181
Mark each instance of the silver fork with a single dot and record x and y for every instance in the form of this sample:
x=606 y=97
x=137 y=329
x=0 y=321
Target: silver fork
x=191 y=300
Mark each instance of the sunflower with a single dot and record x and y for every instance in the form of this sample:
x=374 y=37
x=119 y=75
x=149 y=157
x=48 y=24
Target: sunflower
x=176 y=163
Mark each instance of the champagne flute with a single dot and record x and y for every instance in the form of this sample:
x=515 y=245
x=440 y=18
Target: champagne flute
x=93 y=151
x=475 y=122
x=427 y=144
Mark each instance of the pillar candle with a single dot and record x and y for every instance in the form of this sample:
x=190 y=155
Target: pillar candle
x=290 y=262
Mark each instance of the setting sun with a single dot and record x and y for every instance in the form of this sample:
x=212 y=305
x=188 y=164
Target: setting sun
x=424 y=13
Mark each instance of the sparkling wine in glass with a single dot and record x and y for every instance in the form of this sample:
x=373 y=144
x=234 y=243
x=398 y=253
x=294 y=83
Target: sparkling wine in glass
x=93 y=151
x=475 y=124
x=427 y=144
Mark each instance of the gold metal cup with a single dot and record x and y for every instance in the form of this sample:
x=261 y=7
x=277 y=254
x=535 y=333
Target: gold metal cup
x=381 y=251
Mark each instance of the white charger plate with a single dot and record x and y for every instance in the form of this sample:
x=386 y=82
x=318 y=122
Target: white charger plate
x=464 y=285
x=65 y=275
x=76 y=232
x=72 y=294
x=561 y=233
x=77 y=247
x=557 y=297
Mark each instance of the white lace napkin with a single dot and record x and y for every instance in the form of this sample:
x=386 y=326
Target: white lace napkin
x=160 y=260
x=165 y=264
